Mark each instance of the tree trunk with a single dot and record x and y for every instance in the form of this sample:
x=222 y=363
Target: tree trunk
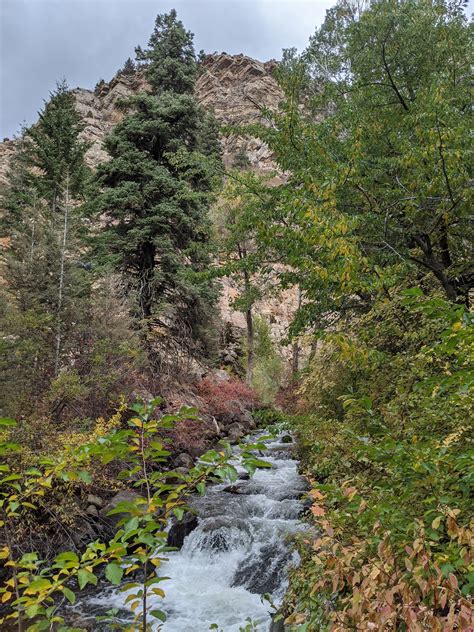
x=250 y=346
x=249 y=320
x=61 y=280
x=147 y=265
x=435 y=265
x=295 y=352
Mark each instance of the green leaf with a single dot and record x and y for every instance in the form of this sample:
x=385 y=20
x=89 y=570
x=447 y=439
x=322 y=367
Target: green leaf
x=37 y=586
x=70 y=596
x=178 y=512
x=7 y=421
x=260 y=463
x=158 y=614
x=114 y=573
x=67 y=556
x=85 y=477
x=85 y=577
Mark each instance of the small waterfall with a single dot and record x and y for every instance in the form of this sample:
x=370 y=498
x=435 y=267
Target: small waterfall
x=238 y=552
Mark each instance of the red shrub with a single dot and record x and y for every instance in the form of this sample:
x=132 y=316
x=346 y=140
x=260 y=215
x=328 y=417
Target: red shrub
x=225 y=396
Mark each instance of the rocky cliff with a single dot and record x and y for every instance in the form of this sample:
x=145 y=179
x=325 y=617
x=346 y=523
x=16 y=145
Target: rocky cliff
x=237 y=89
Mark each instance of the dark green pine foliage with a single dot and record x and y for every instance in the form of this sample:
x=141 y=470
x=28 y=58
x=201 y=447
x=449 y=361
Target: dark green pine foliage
x=54 y=148
x=46 y=287
x=156 y=189
x=170 y=56
x=128 y=68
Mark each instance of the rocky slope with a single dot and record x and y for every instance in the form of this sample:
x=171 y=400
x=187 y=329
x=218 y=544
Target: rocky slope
x=237 y=89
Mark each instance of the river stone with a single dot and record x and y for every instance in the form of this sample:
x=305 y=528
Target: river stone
x=277 y=626
x=95 y=500
x=235 y=432
x=180 y=529
x=224 y=533
x=244 y=476
x=124 y=495
x=184 y=460
x=233 y=489
x=262 y=573
x=287 y=439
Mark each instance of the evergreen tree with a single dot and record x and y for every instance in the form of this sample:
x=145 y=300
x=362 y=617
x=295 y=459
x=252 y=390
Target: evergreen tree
x=55 y=151
x=45 y=287
x=170 y=56
x=156 y=189
x=128 y=68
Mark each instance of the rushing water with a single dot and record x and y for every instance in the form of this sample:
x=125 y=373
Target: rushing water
x=238 y=552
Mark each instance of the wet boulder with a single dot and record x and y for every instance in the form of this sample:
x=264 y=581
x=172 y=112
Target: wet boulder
x=262 y=573
x=235 y=432
x=287 y=438
x=233 y=489
x=180 y=529
x=277 y=626
x=224 y=533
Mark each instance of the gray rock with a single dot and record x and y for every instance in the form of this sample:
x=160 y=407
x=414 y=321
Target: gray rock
x=233 y=489
x=184 y=460
x=277 y=626
x=221 y=375
x=245 y=476
x=92 y=510
x=235 y=432
x=124 y=495
x=95 y=500
x=180 y=529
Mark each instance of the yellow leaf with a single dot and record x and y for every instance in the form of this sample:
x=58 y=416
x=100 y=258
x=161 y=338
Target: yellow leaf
x=436 y=522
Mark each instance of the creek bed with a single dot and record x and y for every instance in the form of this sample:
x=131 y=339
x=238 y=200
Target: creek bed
x=239 y=551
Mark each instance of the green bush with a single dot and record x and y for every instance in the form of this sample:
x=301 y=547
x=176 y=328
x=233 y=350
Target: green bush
x=391 y=471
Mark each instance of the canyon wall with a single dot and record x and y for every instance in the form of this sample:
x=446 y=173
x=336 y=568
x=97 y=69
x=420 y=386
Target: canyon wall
x=237 y=89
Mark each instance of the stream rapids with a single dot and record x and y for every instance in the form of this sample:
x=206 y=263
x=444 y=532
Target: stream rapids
x=239 y=551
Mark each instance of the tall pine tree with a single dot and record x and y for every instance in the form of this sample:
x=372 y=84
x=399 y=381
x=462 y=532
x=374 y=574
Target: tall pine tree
x=44 y=285
x=156 y=189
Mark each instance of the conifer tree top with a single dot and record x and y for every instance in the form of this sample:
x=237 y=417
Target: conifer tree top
x=171 y=56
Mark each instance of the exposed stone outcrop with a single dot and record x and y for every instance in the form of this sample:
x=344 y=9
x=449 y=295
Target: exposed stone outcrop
x=7 y=149
x=237 y=89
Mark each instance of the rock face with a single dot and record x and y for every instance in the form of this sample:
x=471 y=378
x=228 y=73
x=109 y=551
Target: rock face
x=237 y=89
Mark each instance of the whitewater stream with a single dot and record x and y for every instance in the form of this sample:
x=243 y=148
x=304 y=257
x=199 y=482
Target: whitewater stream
x=238 y=552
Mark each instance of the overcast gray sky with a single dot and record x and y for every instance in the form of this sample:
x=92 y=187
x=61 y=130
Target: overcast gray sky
x=42 y=41
x=85 y=40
